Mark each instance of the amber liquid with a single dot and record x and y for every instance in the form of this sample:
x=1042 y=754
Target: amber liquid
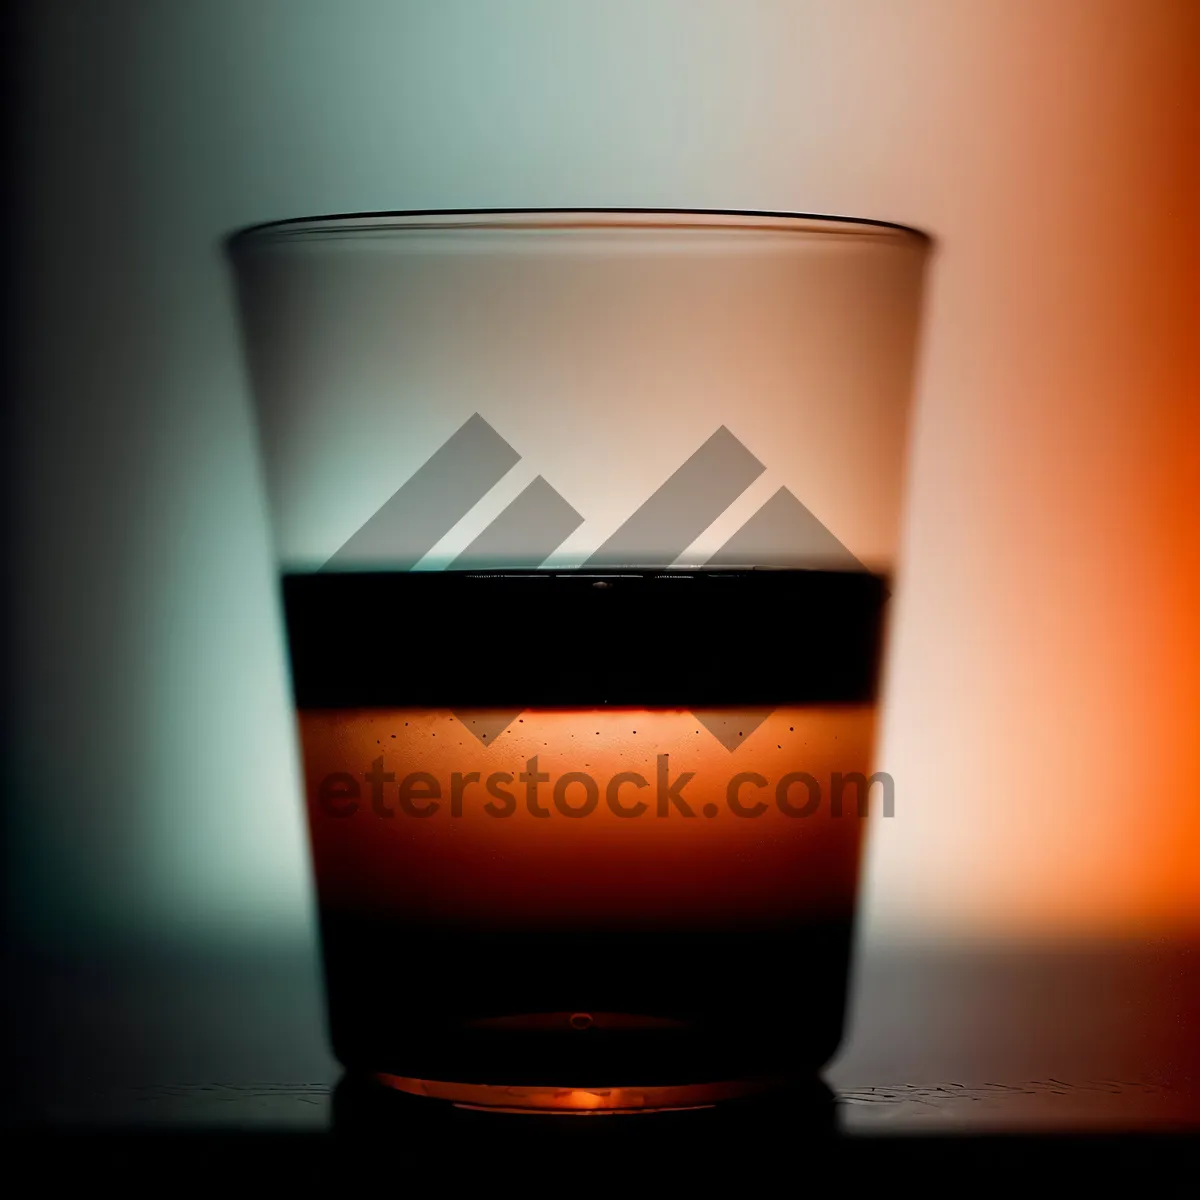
x=586 y=896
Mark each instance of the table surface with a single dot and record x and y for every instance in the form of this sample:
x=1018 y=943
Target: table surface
x=1031 y=1106
x=963 y=1045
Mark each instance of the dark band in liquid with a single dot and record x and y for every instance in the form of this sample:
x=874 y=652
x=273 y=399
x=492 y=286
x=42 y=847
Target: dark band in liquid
x=575 y=638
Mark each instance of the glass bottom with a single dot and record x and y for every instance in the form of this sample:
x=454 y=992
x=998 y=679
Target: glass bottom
x=578 y=1101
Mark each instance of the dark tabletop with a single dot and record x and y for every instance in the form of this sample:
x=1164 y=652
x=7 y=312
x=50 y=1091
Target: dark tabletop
x=1011 y=1053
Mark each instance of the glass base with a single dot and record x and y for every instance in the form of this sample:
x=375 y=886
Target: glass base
x=578 y=1101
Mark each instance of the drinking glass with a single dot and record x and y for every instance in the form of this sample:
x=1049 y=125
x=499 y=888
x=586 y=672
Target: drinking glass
x=586 y=523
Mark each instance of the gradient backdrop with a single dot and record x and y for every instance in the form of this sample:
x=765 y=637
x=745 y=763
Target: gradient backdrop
x=1045 y=670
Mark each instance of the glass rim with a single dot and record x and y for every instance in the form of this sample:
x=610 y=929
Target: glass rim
x=572 y=219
